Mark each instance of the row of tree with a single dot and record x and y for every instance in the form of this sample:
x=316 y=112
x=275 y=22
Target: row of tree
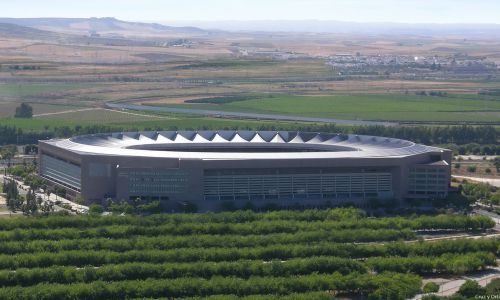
x=423 y=134
x=248 y=222
x=167 y=242
x=445 y=264
x=136 y=270
x=424 y=265
x=473 y=148
x=339 y=231
x=117 y=232
x=83 y=257
x=382 y=286
x=240 y=216
x=274 y=243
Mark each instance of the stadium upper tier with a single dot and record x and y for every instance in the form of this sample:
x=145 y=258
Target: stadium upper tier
x=240 y=145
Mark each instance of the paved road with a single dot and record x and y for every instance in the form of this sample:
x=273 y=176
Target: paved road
x=451 y=287
x=489 y=214
x=244 y=115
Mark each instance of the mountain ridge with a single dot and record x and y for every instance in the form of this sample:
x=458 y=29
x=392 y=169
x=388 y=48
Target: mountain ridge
x=104 y=25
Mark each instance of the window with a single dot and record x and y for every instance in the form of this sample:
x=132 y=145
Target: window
x=60 y=171
x=157 y=182
x=294 y=186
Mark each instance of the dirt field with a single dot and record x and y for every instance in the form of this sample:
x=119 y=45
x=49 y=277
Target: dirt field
x=465 y=168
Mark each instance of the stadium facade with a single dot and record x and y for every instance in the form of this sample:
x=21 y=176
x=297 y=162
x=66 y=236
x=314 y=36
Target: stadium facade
x=208 y=168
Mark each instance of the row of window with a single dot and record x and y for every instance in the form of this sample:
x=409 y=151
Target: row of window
x=157 y=182
x=427 y=170
x=427 y=181
x=286 y=185
x=302 y=196
x=60 y=171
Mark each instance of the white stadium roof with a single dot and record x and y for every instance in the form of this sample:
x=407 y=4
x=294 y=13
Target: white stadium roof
x=217 y=145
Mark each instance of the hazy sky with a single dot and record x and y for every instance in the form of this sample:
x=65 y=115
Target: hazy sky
x=406 y=11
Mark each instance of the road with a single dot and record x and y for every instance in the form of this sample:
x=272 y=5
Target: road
x=490 y=215
x=450 y=287
x=99 y=109
x=244 y=115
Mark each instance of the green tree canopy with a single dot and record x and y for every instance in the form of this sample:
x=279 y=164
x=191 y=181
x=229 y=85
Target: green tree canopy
x=24 y=111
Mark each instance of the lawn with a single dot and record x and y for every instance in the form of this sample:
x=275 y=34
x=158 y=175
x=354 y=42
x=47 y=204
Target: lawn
x=395 y=107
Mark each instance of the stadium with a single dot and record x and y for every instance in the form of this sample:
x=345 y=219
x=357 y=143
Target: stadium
x=211 y=168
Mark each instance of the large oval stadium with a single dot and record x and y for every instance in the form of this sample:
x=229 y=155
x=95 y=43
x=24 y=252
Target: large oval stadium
x=210 y=168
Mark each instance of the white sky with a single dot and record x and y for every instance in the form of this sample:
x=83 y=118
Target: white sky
x=401 y=11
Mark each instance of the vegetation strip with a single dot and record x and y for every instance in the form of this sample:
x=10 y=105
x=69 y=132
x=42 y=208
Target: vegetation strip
x=383 y=286
x=445 y=264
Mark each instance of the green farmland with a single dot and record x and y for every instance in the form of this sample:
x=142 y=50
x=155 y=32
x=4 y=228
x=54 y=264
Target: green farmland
x=394 y=107
x=119 y=120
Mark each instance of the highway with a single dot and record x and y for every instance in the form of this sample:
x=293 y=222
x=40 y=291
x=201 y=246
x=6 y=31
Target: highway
x=244 y=115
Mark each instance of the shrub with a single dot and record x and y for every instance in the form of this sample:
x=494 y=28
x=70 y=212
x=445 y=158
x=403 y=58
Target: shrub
x=471 y=168
x=471 y=289
x=96 y=209
x=493 y=288
x=153 y=207
x=430 y=287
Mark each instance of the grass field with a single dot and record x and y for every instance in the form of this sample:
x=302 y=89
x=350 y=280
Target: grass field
x=99 y=115
x=30 y=89
x=395 y=107
x=171 y=121
x=8 y=109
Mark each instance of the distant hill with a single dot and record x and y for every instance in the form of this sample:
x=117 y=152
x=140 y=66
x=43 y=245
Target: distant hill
x=23 y=32
x=16 y=31
x=327 y=26
x=101 y=26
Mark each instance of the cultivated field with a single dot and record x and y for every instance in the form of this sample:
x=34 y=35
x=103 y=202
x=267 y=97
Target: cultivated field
x=459 y=108
x=283 y=254
x=287 y=74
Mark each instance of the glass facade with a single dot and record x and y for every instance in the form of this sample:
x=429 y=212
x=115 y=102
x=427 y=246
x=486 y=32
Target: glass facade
x=428 y=181
x=157 y=182
x=297 y=186
x=61 y=171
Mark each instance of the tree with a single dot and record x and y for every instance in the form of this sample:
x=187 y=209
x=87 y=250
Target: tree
x=495 y=199
x=470 y=289
x=12 y=193
x=471 y=168
x=24 y=111
x=493 y=288
x=96 y=209
x=430 y=287
x=30 y=207
x=80 y=200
